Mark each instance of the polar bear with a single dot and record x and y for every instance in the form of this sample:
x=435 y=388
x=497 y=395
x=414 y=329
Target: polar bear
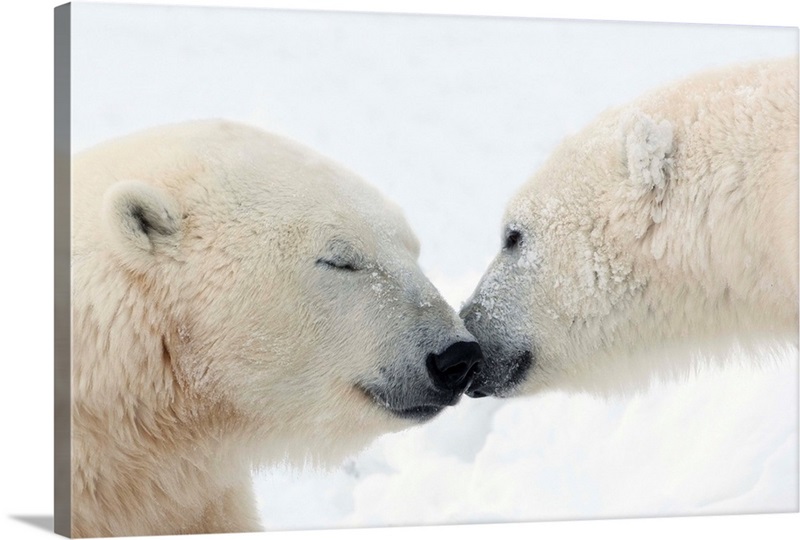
x=238 y=300
x=664 y=232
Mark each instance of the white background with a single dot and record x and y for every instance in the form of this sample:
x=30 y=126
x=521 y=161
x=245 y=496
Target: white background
x=697 y=412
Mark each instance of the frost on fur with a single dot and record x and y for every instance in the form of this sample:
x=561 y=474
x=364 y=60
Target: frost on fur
x=648 y=147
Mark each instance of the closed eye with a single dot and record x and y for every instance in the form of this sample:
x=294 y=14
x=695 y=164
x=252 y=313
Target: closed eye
x=338 y=264
x=341 y=255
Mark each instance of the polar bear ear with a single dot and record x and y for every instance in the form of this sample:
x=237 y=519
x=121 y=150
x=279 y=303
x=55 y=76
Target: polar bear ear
x=139 y=216
x=649 y=149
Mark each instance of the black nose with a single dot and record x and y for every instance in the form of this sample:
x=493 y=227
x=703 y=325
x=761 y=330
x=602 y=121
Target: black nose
x=454 y=368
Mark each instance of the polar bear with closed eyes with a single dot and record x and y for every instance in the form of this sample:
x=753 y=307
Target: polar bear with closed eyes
x=664 y=232
x=238 y=300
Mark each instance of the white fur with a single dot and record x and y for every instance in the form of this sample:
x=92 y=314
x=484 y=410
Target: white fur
x=208 y=337
x=666 y=230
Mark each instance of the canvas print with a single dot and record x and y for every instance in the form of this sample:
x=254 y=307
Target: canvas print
x=335 y=269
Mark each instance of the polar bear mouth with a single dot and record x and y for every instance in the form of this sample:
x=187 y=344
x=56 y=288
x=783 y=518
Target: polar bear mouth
x=417 y=412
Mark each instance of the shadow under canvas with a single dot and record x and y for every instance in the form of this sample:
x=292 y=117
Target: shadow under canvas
x=39 y=521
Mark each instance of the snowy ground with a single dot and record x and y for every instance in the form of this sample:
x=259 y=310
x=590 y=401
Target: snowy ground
x=448 y=116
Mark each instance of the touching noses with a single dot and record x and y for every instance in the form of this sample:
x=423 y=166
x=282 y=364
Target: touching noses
x=455 y=368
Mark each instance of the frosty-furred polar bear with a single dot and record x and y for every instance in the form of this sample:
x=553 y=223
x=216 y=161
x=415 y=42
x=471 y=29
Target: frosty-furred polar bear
x=664 y=232
x=237 y=300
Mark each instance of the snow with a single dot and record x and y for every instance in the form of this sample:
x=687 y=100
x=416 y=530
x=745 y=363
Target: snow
x=680 y=450
x=448 y=116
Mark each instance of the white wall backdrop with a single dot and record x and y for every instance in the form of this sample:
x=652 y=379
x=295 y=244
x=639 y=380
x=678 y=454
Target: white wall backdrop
x=448 y=116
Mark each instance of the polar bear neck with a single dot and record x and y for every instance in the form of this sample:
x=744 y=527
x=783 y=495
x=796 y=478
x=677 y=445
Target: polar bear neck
x=733 y=265
x=149 y=433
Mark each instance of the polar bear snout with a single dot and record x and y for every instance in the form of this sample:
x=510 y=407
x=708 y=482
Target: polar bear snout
x=499 y=377
x=507 y=355
x=454 y=369
x=419 y=395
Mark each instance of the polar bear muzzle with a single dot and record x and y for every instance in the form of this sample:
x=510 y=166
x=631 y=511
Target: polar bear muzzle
x=499 y=377
x=448 y=373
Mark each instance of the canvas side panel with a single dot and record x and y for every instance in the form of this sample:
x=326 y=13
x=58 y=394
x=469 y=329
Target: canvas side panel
x=62 y=285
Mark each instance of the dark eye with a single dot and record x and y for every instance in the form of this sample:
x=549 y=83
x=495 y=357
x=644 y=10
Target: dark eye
x=339 y=264
x=513 y=239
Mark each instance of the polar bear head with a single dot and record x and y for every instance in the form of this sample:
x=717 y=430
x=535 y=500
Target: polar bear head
x=227 y=275
x=645 y=239
x=545 y=300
